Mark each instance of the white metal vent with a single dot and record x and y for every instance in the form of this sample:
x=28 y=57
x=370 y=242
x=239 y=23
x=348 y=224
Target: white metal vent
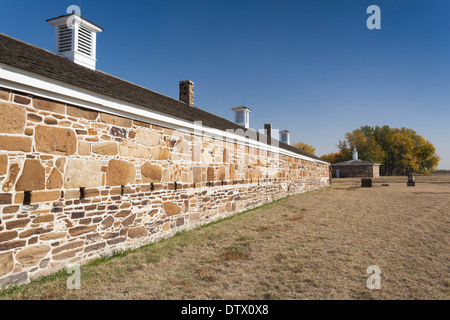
x=85 y=40
x=64 y=39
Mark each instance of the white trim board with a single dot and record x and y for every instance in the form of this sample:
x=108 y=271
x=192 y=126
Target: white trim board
x=20 y=80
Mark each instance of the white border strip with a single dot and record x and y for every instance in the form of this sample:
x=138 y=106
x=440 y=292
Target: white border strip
x=20 y=80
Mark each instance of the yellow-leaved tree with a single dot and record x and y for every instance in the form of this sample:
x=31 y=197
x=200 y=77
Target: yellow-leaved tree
x=306 y=147
x=400 y=151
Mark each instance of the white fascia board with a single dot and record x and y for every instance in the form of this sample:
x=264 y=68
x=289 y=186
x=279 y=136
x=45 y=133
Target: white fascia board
x=89 y=25
x=20 y=80
x=77 y=19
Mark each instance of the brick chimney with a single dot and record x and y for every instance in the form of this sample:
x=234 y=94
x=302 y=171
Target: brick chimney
x=268 y=130
x=187 y=92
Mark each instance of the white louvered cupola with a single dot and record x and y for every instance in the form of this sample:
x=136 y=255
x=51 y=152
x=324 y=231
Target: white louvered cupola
x=241 y=116
x=75 y=39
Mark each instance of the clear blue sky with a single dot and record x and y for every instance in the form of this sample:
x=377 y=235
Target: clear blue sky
x=311 y=67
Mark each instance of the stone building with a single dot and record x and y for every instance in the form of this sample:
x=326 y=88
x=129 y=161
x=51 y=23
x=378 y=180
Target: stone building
x=91 y=164
x=355 y=168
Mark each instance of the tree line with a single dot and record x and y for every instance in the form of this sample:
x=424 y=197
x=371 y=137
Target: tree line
x=400 y=151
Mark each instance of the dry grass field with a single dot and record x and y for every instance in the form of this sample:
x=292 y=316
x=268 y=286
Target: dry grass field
x=316 y=245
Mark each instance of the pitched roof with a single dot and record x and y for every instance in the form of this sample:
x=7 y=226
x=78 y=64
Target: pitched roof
x=33 y=59
x=68 y=15
x=355 y=163
x=241 y=108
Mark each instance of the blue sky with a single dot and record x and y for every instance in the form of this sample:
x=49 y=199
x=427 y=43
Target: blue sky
x=312 y=67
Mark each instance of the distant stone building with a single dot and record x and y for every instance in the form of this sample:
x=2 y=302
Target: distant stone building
x=355 y=168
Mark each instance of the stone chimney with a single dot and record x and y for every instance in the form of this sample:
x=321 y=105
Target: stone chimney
x=285 y=136
x=187 y=92
x=268 y=130
x=76 y=39
x=242 y=116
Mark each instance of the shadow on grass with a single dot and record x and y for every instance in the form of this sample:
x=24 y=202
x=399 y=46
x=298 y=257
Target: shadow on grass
x=61 y=275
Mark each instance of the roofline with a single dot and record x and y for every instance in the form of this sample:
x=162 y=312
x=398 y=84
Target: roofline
x=349 y=162
x=240 y=108
x=68 y=15
x=35 y=84
x=25 y=77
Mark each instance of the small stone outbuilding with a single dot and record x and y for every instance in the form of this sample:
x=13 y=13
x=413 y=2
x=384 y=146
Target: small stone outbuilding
x=356 y=168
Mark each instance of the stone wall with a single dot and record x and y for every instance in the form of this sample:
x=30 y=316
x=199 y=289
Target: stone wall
x=78 y=184
x=361 y=171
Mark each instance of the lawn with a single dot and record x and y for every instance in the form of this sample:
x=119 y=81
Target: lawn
x=316 y=245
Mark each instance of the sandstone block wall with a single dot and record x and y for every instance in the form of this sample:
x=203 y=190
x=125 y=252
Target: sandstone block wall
x=78 y=184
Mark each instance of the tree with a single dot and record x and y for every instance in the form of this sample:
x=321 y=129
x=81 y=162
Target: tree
x=306 y=147
x=366 y=144
x=333 y=157
x=400 y=151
